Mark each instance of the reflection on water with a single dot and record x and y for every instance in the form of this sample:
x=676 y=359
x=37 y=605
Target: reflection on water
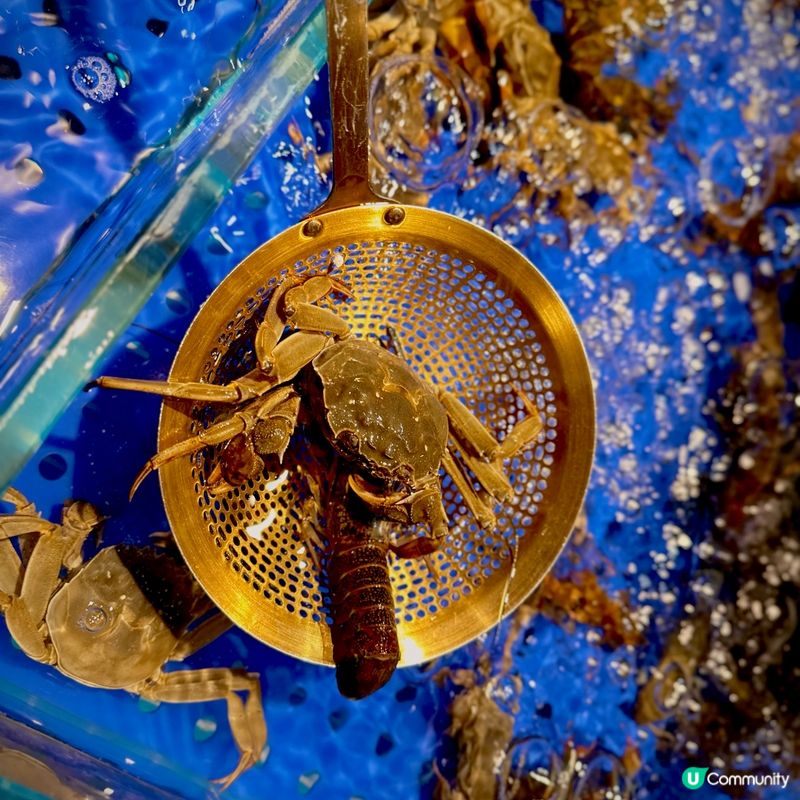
x=424 y=119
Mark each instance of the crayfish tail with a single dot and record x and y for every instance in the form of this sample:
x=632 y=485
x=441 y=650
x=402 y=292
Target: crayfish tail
x=359 y=677
x=364 y=633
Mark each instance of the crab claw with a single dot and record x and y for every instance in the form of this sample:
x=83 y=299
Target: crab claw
x=377 y=502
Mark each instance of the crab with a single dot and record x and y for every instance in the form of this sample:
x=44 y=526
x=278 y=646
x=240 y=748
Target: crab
x=391 y=428
x=113 y=621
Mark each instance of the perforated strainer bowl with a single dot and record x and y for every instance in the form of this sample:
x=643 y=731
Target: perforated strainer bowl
x=473 y=315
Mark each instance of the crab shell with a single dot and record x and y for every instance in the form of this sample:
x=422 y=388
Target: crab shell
x=380 y=414
x=104 y=624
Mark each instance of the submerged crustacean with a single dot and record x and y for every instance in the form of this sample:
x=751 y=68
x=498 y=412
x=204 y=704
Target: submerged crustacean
x=384 y=433
x=482 y=732
x=113 y=621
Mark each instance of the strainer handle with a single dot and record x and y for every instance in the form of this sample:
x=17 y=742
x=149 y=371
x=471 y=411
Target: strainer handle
x=348 y=63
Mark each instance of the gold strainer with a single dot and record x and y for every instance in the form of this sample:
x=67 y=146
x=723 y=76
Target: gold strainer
x=473 y=315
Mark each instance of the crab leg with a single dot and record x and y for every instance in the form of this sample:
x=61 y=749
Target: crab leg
x=240 y=422
x=301 y=312
x=285 y=361
x=475 y=438
x=298 y=310
x=427 y=508
x=55 y=548
x=11 y=566
x=248 y=726
x=481 y=452
x=215 y=434
x=27 y=631
x=489 y=474
x=205 y=633
x=280 y=360
x=481 y=511
x=523 y=433
x=292 y=354
x=245 y=388
x=21 y=503
x=10 y=561
x=13 y=525
x=466 y=428
x=241 y=456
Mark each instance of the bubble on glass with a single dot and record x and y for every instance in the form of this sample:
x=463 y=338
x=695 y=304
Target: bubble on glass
x=780 y=236
x=736 y=178
x=669 y=211
x=604 y=776
x=94 y=78
x=94 y=618
x=550 y=144
x=425 y=120
x=534 y=769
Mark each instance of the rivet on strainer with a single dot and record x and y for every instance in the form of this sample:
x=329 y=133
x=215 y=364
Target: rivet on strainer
x=380 y=426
